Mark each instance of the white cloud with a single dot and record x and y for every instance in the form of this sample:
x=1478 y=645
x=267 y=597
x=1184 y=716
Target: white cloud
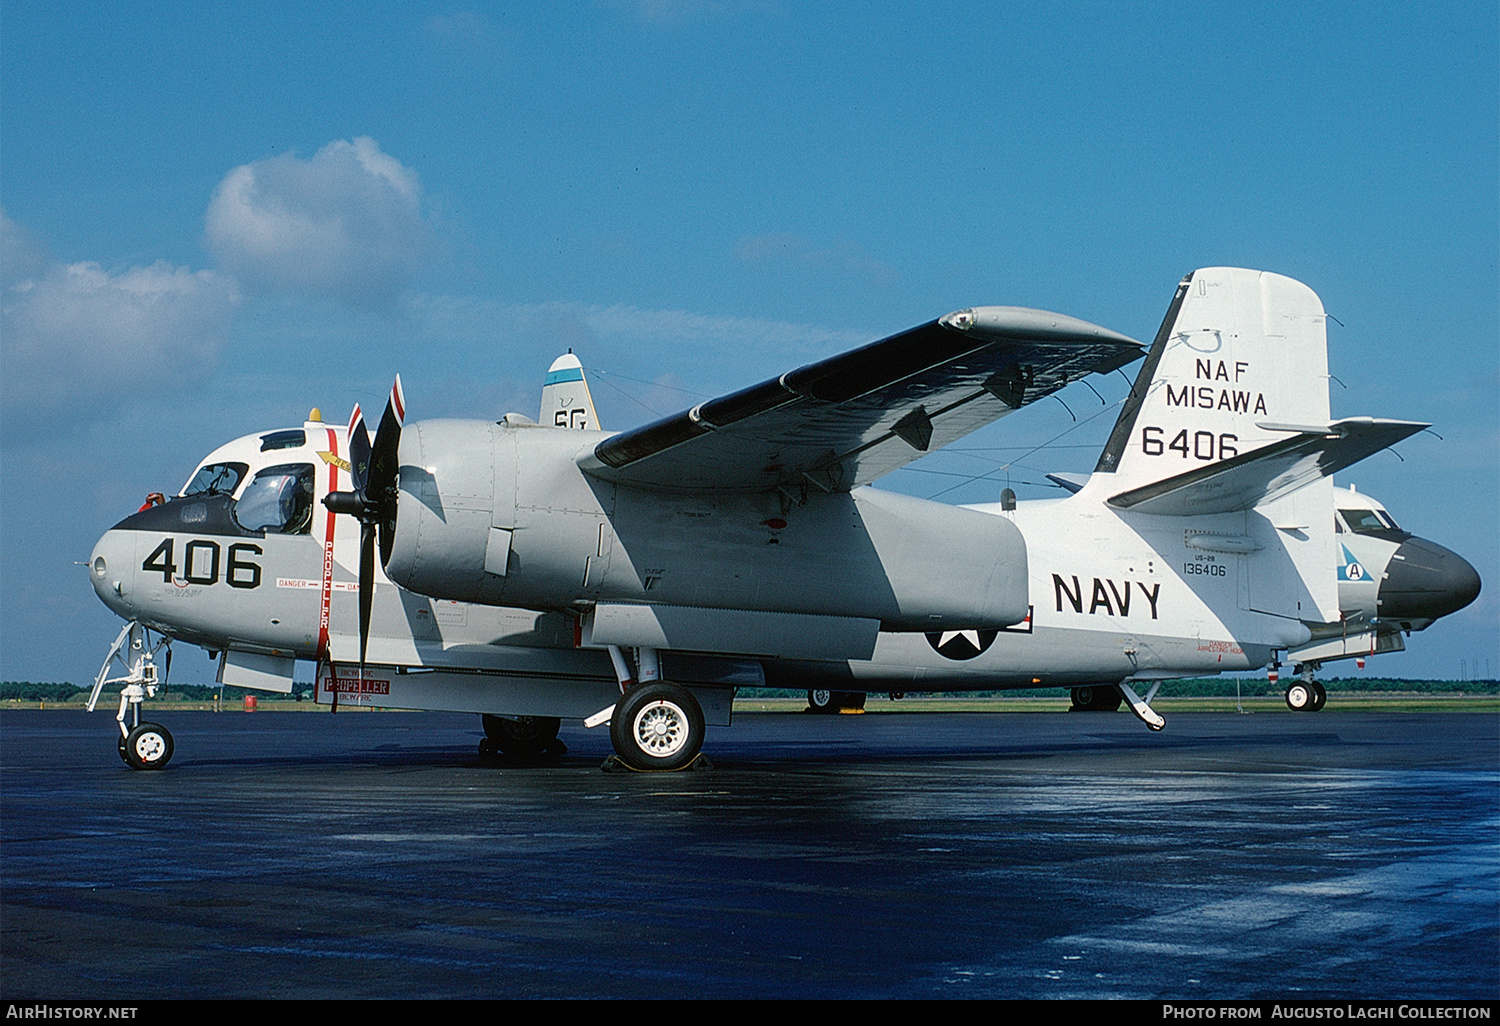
x=79 y=340
x=346 y=225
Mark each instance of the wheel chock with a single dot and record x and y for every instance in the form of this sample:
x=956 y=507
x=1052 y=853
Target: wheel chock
x=614 y=764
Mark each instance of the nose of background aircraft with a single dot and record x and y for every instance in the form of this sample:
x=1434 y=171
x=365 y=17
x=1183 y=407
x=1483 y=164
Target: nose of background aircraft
x=109 y=570
x=1425 y=581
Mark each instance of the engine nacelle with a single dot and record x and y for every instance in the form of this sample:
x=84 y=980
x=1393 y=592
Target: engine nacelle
x=502 y=515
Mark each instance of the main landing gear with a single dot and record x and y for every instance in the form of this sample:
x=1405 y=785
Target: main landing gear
x=656 y=725
x=143 y=746
x=523 y=739
x=1097 y=698
x=832 y=702
x=1305 y=694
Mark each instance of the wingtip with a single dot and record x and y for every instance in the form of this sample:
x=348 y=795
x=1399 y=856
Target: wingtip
x=1019 y=322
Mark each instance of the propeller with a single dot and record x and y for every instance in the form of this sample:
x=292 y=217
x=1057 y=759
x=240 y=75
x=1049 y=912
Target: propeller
x=373 y=472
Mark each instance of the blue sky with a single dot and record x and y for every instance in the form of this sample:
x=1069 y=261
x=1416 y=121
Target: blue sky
x=218 y=216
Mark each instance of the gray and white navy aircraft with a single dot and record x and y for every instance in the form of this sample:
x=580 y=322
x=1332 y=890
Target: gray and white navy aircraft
x=539 y=572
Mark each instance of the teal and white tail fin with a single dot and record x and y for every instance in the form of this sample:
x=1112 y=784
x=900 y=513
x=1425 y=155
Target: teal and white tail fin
x=566 y=400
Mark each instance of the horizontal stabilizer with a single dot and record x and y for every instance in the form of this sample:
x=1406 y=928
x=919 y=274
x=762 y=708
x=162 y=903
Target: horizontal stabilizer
x=1070 y=482
x=1270 y=472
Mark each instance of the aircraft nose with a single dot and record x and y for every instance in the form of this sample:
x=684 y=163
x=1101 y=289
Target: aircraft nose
x=109 y=570
x=1425 y=581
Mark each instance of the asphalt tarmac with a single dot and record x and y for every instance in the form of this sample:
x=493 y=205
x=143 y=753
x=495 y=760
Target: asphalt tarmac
x=963 y=855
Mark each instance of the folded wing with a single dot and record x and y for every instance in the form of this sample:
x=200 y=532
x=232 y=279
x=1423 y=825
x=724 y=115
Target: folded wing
x=847 y=420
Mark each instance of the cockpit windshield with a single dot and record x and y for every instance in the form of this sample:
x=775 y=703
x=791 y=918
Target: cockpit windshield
x=216 y=479
x=1368 y=521
x=279 y=500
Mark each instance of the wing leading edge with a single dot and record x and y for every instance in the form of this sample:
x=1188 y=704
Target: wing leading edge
x=847 y=420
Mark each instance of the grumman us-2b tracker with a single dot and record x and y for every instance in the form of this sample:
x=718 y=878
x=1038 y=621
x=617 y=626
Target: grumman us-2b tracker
x=535 y=573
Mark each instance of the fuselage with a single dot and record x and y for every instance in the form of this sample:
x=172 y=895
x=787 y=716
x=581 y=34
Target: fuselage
x=246 y=558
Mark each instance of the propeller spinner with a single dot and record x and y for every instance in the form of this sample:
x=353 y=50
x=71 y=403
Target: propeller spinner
x=373 y=500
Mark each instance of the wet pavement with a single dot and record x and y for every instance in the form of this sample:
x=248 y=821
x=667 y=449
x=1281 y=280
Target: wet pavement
x=965 y=855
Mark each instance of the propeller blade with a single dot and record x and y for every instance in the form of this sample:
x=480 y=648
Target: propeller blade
x=384 y=468
x=373 y=471
x=366 y=588
x=359 y=451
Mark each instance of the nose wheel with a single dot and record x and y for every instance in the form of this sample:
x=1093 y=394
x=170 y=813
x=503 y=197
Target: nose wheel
x=148 y=746
x=1305 y=694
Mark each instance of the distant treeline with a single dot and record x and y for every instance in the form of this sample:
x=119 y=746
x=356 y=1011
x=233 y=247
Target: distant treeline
x=36 y=692
x=1198 y=687
x=1224 y=687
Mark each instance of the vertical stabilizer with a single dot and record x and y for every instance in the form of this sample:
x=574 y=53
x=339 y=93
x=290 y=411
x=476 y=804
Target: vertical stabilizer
x=566 y=401
x=1229 y=420
x=1238 y=349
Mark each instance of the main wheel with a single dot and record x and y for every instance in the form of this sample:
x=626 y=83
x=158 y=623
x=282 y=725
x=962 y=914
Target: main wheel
x=1299 y=697
x=147 y=747
x=1097 y=698
x=822 y=701
x=657 y=726
x=525 y=736
x=831 y=702
x=1319 y=697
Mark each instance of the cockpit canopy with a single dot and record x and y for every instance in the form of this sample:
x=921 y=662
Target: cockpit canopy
x=1360 y=514
x=216 y=479
x=255 y=485
x=279 y=500
x=1368 y=521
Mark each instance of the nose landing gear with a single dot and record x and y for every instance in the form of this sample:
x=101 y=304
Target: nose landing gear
x=143 y=746
x=1305 y=694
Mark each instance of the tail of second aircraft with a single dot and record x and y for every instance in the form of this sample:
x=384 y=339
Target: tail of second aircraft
x=566 y=400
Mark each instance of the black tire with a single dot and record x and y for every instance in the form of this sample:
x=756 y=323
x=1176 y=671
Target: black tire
x=832 y=702
x=822 y=701
x=657 y=726
x=148 y=747
x=525 y=736
x=1319 y=698
x=1097 y=698
x=1299 y=696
